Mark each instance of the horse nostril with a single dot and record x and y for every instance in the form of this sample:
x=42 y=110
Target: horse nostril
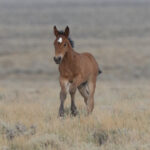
x=54 y=58
x=59 y=58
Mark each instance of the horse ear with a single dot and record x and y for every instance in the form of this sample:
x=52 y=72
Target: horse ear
x=55 y=31
x=67 y=31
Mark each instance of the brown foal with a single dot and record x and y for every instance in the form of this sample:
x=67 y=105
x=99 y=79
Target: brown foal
x=77 y=71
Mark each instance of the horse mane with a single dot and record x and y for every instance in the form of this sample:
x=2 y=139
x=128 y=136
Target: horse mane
x=69 y=38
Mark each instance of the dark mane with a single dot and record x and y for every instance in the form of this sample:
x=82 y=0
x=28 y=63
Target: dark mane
x=70 y=40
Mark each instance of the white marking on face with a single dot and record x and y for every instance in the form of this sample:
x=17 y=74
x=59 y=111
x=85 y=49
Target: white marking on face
x=59 y=40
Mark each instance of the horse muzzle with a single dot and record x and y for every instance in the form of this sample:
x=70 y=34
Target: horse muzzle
x=57 y=59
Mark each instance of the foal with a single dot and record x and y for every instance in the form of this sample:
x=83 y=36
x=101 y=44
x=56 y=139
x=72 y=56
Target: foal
x=77 y=71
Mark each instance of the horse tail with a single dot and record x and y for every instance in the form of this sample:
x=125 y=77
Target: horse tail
x=99 y=72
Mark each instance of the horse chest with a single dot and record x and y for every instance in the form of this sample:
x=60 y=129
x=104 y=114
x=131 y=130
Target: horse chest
x=66 y=72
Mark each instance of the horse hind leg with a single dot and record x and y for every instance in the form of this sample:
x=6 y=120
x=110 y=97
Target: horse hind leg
x=90 y=102
x=84 y=91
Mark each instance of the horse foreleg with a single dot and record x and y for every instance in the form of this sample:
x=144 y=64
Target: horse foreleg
x=63 y=93
x=73 y=87
x=73 y=106
x=62 y=99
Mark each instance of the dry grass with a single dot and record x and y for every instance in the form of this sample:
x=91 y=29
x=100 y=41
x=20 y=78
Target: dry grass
x=120 y=119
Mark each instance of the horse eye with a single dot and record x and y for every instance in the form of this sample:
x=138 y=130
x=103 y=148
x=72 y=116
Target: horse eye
x=65 y=45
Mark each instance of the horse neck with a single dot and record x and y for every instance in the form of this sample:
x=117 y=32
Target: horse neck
x=69 y=55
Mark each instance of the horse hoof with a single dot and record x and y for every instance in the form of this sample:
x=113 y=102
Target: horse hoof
x=61 y=114
x=74 y=113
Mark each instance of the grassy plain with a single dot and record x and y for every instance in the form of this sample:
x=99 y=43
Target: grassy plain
x=116 y=33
